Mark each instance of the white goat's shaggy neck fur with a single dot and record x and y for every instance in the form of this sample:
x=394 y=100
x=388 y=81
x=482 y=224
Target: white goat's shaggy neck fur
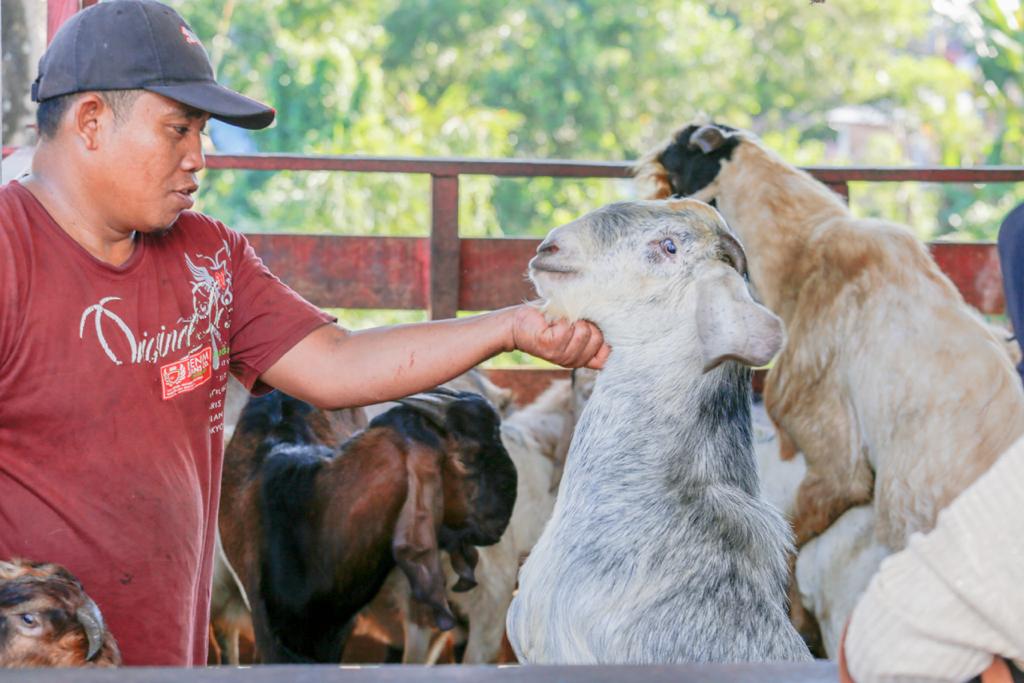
x=659 y=549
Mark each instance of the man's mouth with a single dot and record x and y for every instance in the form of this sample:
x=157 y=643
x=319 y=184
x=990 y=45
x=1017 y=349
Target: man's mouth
x=185 y=194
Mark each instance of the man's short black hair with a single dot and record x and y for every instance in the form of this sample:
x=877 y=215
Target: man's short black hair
x=52 y=110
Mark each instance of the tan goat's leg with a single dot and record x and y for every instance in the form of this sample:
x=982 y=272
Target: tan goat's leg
x=823 y=497
x=819 y=423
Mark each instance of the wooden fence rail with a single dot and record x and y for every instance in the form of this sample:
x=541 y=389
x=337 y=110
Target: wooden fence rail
x=444 y=273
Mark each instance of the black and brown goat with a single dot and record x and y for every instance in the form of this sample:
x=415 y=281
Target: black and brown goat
x=313 y=522
x=47 y=620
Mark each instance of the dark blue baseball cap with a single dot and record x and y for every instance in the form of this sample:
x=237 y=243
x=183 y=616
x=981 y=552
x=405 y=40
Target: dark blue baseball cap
x=140 y=45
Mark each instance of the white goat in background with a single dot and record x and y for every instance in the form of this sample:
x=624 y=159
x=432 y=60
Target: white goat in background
x=659 y=549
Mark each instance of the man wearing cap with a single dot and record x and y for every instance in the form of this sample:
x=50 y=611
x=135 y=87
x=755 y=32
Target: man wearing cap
x=122 y=313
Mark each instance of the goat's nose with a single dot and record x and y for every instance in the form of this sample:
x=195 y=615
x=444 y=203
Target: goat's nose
x=548 y=247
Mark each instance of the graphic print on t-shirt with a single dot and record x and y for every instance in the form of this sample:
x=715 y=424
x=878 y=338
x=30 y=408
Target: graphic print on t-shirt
x=196 y=342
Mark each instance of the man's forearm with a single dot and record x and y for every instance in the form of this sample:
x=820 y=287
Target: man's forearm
x=332 y=368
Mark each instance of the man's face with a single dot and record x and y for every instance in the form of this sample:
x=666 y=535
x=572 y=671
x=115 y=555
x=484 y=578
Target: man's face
x=149 y=161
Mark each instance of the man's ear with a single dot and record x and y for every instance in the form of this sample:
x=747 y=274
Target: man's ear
x=88 y=114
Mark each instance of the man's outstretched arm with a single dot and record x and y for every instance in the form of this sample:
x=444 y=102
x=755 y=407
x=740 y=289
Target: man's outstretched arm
x=334 y=368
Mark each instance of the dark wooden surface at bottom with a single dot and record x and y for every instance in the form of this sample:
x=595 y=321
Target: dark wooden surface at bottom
x=814 y=672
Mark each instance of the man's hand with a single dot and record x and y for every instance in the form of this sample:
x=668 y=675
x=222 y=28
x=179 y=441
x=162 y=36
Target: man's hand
x=570 y=345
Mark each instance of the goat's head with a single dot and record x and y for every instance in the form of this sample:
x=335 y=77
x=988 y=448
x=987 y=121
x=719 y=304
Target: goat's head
x=479 y=476
x=46 y=619
x=476 y=486
x=650 y=269
x=688 y=163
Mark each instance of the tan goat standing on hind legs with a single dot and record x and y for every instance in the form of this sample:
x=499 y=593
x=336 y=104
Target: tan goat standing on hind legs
x=888 y=384
x=895 y=392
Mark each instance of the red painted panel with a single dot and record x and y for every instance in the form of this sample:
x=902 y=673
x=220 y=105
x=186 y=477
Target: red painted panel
x=350 y=272
x=974 y=269
x=393 y=272
x=59 y=11
x=494 y=273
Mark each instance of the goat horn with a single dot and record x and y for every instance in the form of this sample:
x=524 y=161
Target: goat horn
x=89 y=617
x=708 y=138
x=432 y=404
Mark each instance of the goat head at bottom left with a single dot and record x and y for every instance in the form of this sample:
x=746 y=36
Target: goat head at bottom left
x=47 y=620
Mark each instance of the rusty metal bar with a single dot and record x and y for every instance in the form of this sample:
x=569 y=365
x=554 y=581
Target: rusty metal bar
x=432 y=166
x=925 y=174
x=583 y=169
x=842 y=189
x=444 y=247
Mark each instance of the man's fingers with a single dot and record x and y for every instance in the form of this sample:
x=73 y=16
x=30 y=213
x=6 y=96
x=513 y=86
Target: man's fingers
x=593 y=347
x=600 y=358
x=573 y=351
x=559 y=334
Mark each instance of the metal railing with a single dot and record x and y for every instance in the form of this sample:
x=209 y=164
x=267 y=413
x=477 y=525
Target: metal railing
x=448 y=277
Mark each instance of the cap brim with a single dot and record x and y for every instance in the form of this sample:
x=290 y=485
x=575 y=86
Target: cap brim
x=222 y=103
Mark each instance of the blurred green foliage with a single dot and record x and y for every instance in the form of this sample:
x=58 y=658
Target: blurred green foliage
x=933 y=82
x=606 y=80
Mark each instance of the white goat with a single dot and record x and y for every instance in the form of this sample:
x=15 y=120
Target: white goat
x=659 y=549
x=531 y=436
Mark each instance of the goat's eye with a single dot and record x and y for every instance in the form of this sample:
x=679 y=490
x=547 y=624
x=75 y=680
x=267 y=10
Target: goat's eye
x=668 y=246
x=30 y=624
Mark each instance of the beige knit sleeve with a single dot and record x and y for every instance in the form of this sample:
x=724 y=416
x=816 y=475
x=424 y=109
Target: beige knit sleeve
x=939 y=610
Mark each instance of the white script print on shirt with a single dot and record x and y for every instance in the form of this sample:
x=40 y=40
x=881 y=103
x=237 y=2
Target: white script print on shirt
x=200 y=335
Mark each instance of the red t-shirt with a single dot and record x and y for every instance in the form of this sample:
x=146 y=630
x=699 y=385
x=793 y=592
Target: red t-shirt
x=112 y=386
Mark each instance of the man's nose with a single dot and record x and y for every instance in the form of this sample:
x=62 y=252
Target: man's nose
x=195 y=159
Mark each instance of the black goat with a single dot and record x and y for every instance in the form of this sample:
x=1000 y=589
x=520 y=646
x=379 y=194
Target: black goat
x=47 y=620
x=313 y=525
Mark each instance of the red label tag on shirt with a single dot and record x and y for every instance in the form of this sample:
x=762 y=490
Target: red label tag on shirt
x=188 y=373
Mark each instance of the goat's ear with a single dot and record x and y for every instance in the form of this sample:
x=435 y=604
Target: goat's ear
x=464 y=559
x=415 y=540
x=731 y=325
x=709 y=138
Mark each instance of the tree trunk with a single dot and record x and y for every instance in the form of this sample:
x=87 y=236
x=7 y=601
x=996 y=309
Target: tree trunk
x=22 y=42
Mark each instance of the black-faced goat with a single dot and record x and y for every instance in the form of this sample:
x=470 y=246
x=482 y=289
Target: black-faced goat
x=313 y=525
